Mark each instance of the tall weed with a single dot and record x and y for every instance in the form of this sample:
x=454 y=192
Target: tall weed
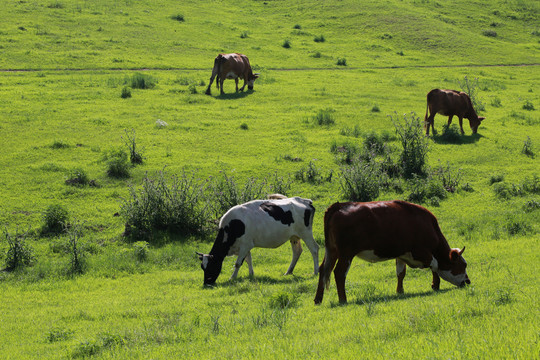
x=415 y=146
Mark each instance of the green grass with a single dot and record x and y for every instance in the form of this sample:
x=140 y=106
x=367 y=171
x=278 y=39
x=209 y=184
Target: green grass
x=54 y=120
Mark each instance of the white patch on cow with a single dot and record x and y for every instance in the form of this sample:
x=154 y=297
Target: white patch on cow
x=231 y=75
x=434 y=266
x=369 y=256
x=451 y=278
x=400 y=266
x=204 y=263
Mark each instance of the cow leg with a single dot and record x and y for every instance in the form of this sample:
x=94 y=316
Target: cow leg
x=436 y=281
x=401 y=270
x=327 y=265
x=430 y=122
x=340 y=273
x=250 y=264
x=461 y=125
x=221 y=86
x=296 y=251
x=242 y=254
x=236 y=81
x=313 y=249
x=450 y=119
x=208 y=92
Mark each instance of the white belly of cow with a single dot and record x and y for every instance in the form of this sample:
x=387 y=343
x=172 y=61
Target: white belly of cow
x=231 y=75
x=369 y=255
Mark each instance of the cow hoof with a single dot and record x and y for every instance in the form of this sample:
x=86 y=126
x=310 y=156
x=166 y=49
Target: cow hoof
x=435 y=288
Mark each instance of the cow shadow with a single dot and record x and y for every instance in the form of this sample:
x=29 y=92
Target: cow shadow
x=443 y=139
x=234 y=95
x=262 y=279
x=375 y=299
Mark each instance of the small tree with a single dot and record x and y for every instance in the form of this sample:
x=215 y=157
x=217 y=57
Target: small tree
x=19 y=254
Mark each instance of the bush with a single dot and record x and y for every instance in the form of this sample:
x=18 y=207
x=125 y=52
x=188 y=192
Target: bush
x=528 y=147
x=319 y=38
x=505 y=190
x=141 y=81
x=19 y=253
x=375 y=108
x=312 y=174
x=427 y=189
x=178 y=17
x=244 y=35
x=489 y=33
x=77 y=258
x=325 y=117
x=225 y=192
x=344 y=153
x=286 y=44
x=342 y=62
x=135 y=156
x=495 y=178
x=528 y=105
x=140 y=248
x=77 y=177
x=531 y=205
x=362 y=181
x=375 y=143
x=450 y=179
x=59 y=144
x=165 y=204
x=126 y=92
x=117 y=163
x=55 y=220
x=415 y=147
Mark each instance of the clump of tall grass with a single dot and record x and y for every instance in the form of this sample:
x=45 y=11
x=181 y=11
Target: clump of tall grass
x=415 y=146
x=178 y=17
x=312 y=174
x=55 y=220
x=141 y=81
x=362 y=181
x=165 y=203
x=345 y=153
x=286 y=44
x=126 y=92
x=324 y=117
x=319 y=38
x=135 y=155
x=528 y=106
x=117 y=163
x=77 y=257
x=77 y=177
x=341 y=62
x=528 y=148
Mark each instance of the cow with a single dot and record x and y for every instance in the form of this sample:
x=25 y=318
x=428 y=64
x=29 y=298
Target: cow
x=450 y=103
x=232 y=66
x=263 y=224
x=384 y=230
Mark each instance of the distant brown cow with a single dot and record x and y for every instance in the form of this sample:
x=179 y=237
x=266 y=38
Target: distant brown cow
x=450 y=103
x=384 y=230
x=232 y=66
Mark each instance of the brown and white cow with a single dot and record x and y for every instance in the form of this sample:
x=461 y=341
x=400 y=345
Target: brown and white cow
x=384 y=230
x=450 y=103
x=232 y=66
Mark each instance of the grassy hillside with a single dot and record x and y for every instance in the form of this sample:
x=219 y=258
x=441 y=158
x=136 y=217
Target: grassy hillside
x=137 y=34
x=67 y=116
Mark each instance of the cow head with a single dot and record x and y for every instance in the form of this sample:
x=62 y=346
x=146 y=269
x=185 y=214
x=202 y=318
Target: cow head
x=251 y=80
x=457 y=274
x=475 y=123
x=211 y=267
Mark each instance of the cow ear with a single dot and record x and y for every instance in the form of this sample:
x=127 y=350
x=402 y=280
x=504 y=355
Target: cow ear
x=481 y=118
x=461 y=251
x=256 y=75
x=200 y=255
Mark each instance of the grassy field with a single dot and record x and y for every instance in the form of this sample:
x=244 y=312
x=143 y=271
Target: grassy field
x=62 y=112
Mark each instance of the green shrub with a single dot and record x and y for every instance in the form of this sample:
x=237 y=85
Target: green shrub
x=19 y=253
x=352 y=132
x=59 y=144
x=345 y=153
x=517 y=226
x=362 y=181
x=77 y=177
x=532 y=184
x=375 y=108
x=283 y=300
x=471 y=88
x=55 y=220
x=140 y=249
x=325 y=117
x=126 y=92
x=528 y=106
x=312 y=174
x=531 y=205
x=505 y=190
x=316 y=55
x=489 y=33
x=165 y=203
x=141 y=81
x=178 y=17
x=342 y=62
x=429 y=189
x=450 y=179
x=374 y=142
x=297 y=27
x=528 y=147
x=225 y=192
x=495 y=178
x=244 y=35
x=319 y=38
x=415 y=146
x=496 y=102
x=117 y=163
x=77 y=257
x=286 y=44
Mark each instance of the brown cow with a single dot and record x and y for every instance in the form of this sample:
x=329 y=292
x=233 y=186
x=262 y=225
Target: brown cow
x=232 y=66
x=379 y=231
x=450 y=103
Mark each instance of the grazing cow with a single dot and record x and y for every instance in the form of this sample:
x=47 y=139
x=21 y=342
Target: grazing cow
x=263 y=224
x=379 y=231
x=450 y=103
x=232 y=66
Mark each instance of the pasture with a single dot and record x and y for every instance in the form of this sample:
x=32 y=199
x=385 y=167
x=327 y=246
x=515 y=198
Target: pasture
x=62 y=112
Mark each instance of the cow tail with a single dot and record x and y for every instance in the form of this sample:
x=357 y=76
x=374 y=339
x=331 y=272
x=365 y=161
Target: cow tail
x=218 y=65
x=427 y=108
